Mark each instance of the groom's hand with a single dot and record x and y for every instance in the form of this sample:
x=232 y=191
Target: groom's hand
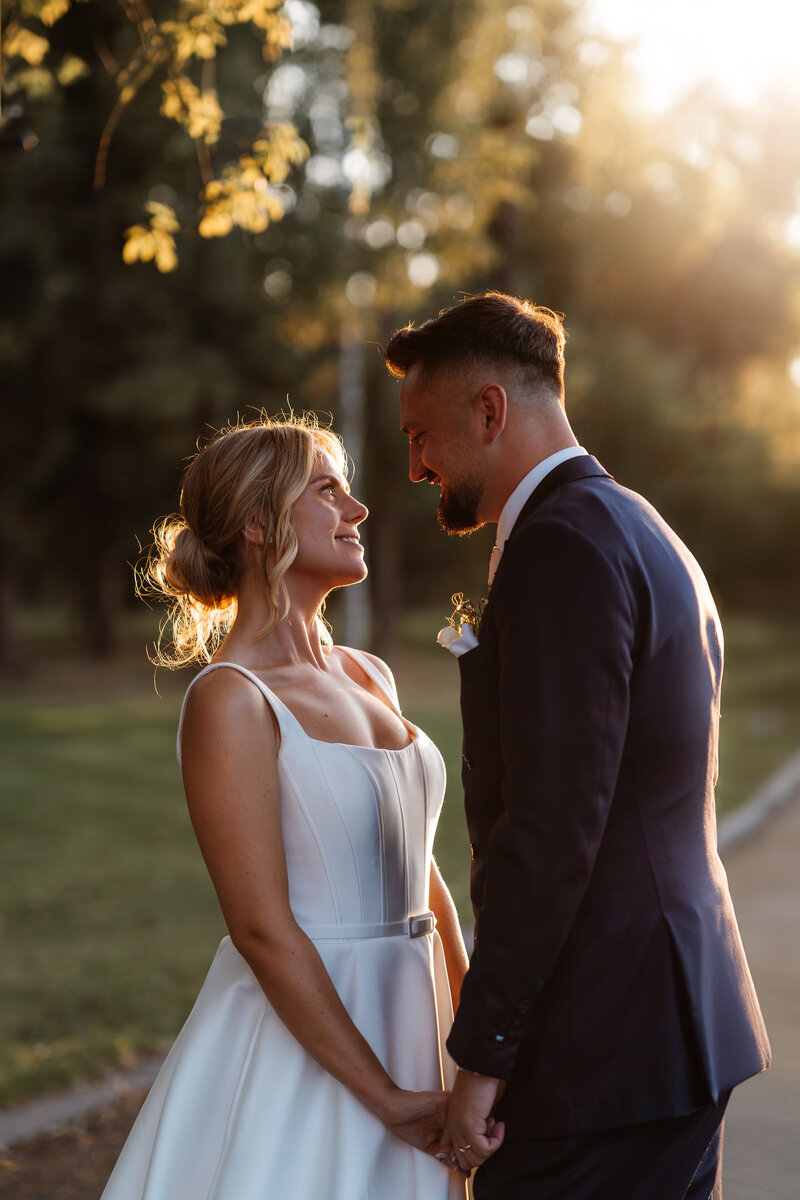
x=472 y=1134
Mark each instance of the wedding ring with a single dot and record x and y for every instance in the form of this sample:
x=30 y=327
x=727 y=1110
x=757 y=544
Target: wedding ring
x=463 y=1149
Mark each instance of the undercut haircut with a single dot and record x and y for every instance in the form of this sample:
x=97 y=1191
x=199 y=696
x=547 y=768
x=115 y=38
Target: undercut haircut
x=492 y=328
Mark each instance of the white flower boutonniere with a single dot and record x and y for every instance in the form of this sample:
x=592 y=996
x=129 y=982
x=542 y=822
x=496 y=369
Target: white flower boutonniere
x=461 y=632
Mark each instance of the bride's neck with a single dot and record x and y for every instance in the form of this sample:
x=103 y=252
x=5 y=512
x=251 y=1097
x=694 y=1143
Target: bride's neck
x=294 y=641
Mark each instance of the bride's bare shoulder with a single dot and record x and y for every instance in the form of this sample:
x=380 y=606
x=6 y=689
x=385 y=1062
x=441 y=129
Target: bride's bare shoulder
x=224 y=697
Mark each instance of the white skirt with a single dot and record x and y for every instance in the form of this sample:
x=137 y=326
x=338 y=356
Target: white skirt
x=240 y=1111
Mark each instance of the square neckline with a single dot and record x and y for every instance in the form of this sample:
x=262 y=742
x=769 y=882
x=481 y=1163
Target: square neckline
x=276 y=702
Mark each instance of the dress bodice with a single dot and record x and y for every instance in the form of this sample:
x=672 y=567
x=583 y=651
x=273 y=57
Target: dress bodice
x=239 y=1100
x=358 y=822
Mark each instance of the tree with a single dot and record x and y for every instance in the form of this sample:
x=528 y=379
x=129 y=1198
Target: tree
x=176 y=46
x=450 y=148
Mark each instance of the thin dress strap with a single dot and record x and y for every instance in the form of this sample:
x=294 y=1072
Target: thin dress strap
x=277 y=705
x=375 y=674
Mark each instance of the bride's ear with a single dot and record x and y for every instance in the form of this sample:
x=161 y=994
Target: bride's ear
x=255 y=531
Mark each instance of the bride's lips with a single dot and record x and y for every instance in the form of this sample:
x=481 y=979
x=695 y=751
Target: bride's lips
x=350 y=537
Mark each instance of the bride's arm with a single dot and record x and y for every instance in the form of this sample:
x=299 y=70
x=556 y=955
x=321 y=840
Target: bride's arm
x=449 y=928
x=229 y=758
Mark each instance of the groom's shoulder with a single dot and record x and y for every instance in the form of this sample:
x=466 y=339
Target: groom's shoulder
x=594 y=511
x=621 y=525
x=588 y=502
x=598 y=494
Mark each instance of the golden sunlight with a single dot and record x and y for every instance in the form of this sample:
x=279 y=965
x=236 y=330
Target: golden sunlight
x=739 y=47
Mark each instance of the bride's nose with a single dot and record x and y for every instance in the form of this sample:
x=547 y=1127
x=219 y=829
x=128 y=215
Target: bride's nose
x=358 y=512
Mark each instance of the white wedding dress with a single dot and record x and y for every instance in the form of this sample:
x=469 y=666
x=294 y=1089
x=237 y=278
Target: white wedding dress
x=239 y=1110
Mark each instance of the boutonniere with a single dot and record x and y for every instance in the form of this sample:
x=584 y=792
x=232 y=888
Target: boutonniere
x=461 y=632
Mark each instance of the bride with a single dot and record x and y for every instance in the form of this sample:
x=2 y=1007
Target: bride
x=312 y=1066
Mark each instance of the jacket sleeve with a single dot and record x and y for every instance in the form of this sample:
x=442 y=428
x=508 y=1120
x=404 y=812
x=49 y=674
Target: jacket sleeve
x=564 y=625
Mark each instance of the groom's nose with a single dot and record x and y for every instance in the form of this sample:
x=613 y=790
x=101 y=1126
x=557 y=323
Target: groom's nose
x=417 y=471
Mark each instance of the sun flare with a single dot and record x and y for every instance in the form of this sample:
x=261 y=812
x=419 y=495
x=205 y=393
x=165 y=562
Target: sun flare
x=739 y=47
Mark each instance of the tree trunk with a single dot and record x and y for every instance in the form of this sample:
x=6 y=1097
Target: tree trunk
x=13 y=652
x=384 y=525
x=352 y=397
x=103 y=614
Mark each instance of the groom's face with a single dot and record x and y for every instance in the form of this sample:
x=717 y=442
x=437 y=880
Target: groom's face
x=437 y=417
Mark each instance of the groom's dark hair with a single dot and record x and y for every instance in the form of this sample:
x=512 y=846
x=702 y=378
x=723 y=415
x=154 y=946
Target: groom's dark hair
x=489 y=328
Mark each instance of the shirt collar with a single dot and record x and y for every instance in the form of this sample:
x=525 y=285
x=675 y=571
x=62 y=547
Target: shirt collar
x=526 y=487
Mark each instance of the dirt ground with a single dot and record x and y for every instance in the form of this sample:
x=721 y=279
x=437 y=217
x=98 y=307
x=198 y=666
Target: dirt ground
x=73 y=1164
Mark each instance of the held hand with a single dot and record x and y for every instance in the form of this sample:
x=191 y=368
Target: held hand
x=416 y=1117
x=472 y=1134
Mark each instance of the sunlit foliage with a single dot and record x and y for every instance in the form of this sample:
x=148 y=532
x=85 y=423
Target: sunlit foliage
x=246 y=194
x=396 y=154
x=155 y=241
x=178 y=52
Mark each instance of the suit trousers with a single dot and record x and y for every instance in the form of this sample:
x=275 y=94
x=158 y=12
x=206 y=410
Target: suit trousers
x=679 y=1158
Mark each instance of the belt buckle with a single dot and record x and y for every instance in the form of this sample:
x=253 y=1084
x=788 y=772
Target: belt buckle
x=419 y=926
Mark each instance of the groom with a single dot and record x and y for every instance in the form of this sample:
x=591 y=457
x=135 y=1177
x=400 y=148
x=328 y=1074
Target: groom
x=608 y=1009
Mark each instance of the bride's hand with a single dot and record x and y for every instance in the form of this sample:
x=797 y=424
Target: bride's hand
x=417 y=1117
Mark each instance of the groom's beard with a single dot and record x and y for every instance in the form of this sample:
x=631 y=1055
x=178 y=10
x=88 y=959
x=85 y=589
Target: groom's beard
x=458 y=508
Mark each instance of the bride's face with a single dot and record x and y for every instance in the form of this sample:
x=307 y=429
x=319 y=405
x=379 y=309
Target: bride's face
x=325 y=520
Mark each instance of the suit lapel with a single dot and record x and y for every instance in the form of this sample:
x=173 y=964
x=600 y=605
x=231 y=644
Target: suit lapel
x=567 y=472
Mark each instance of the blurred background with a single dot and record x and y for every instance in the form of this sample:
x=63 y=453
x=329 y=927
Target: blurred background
x=207 y=209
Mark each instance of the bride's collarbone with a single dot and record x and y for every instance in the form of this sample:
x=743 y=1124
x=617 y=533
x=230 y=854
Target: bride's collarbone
x=343 y=712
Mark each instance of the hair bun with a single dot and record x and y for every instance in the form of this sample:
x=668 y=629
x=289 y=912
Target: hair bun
x=192 y=569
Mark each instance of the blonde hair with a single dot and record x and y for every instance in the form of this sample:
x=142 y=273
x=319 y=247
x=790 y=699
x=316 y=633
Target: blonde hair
x=252 y=469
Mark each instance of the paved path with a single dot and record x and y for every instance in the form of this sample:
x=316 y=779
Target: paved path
x=762 y=1139
x=70 y=1107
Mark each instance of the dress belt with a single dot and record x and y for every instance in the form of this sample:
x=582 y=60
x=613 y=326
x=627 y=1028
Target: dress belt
x=411 y=927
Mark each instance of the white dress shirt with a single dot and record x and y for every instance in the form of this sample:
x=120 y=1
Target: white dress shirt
x=519 y=497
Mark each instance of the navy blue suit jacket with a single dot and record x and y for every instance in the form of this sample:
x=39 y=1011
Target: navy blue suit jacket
x=608 y=984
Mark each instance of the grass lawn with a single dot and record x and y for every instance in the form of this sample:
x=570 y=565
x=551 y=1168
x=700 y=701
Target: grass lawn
x=108 y=922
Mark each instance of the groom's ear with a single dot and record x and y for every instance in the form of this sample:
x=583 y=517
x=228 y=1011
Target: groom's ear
x=493 y=410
